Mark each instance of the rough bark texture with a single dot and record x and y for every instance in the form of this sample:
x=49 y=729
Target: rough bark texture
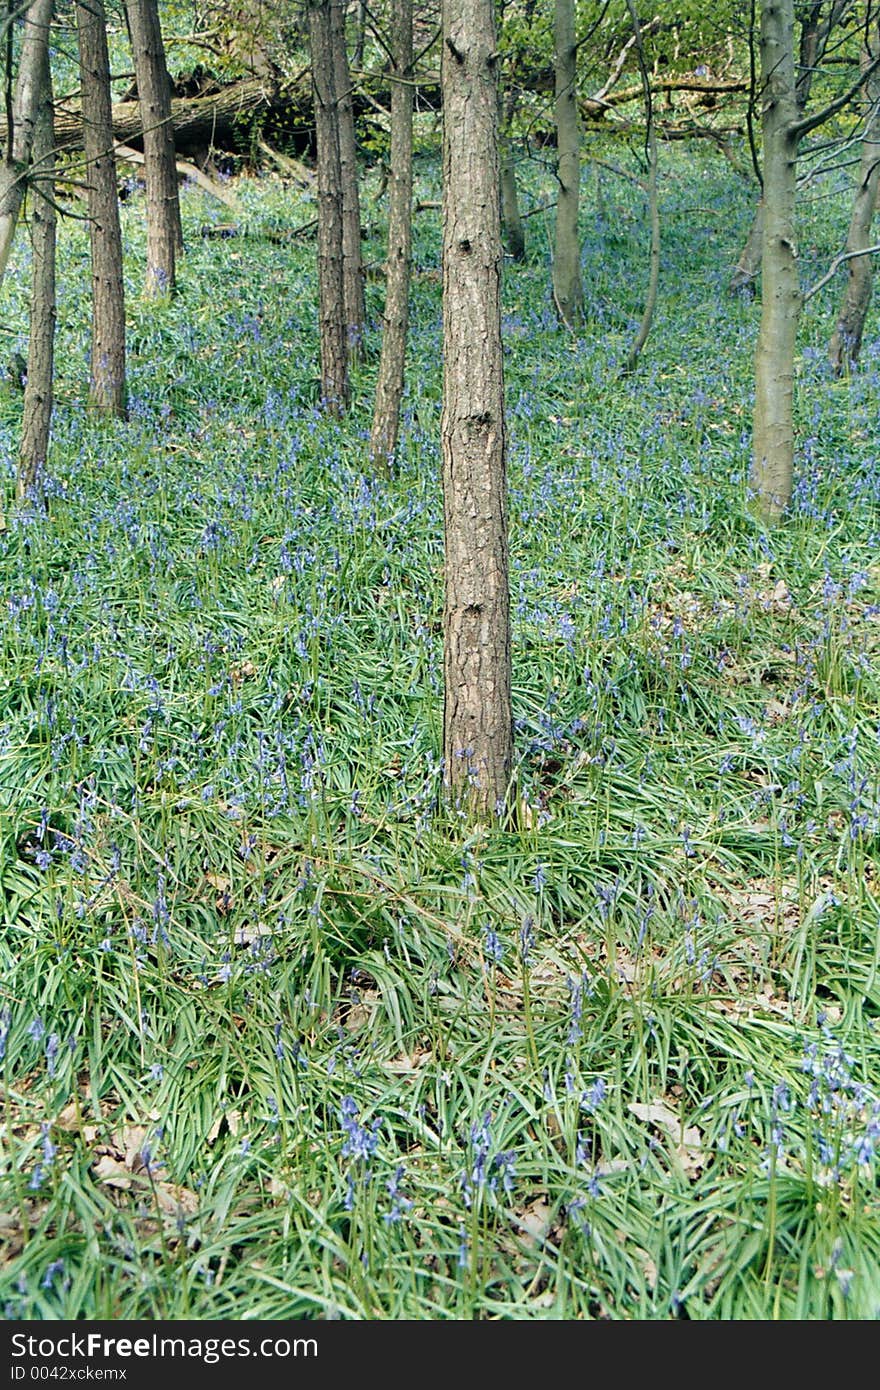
x=331 y=294
x=17 y=155
x=846 y=341
x=567 y=286
x=352 y=261
x=478 y=728
x=389 y=384
x=107 y=387
x=511 y=220
x=164 y=230
x=773 y=430
x=38 y=392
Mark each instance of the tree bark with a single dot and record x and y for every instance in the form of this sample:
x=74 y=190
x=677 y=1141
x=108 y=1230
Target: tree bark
x=107 y=393
x=17 y=154
x=773 y=428
x=511 y=220
x=389 y=385
x=478 y=726
x=331 y=291
x=846 y=340
x=38 y=391
x=164 y=228
x=653 y=201
x=352 y=261
x=748 y=267
x=814 y=36
x=567 y=286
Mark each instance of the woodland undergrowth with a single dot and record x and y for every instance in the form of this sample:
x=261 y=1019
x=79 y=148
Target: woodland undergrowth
x=281 y=1035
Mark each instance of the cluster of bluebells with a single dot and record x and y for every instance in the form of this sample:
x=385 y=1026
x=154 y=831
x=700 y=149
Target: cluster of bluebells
x=359 y=1145
x=487 y=1168
x=844 y=1113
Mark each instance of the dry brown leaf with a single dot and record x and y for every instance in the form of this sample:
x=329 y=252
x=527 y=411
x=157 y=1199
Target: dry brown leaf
x=113 y=1173
x=534 y=1220
x=407 y=1063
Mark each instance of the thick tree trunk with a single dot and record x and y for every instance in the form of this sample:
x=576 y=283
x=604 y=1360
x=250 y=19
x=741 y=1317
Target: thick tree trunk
x=107 y=392
x=164 y=229
x=773 y=429
x=352 y=261
x=331 y=293
x=14 y=167
x=511 y=220
x=846 y=341
x=567 y=287
x=38 y=391
x=478 y=727
x=389 y=385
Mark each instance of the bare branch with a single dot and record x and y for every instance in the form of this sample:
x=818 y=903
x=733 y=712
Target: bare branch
x=835 y=266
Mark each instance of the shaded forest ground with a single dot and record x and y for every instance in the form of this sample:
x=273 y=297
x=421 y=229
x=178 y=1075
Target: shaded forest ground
x=280 y=1035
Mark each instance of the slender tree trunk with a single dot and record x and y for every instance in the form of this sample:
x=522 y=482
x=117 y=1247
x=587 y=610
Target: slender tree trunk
x=38 y=391
x=846 y=341
x=352 y=261
x=164 y=228
x=567 y=287
x=389 y=385
x=17 y=155
x=331 y=295
x=773 y=430
x=478 y=726
x=653 y=201
x=511 y=221
x=748 y=267
x=107 y=392
x=814 y=35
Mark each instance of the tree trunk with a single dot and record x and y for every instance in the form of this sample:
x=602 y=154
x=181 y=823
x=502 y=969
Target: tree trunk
x=567 y=287
x=38 y=391
x=653 y=202
x=511 y=221
x=846 y=341
x=748 y=267
x=14 y=167
x=814 y=37
x=107 y=390
x=164 y=229
x=389 y=385
x=478 y=726
x=331 y=294
x=352 y=262
x=773 y=430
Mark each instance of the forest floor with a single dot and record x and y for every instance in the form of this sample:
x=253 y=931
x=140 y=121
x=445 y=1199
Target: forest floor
x=283 y=1038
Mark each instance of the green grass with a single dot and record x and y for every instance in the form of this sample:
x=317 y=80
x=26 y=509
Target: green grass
x=282 y=1036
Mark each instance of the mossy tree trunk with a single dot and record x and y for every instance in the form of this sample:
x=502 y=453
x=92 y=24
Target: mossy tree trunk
x=164 y=228
x=390 y=381
x=478 y=726
x=107 y=392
